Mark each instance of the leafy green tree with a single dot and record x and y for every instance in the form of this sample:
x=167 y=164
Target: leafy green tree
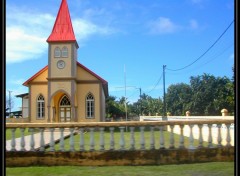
x=147 y=105
x=211 y=94
x=178 y=98
x=113 y=108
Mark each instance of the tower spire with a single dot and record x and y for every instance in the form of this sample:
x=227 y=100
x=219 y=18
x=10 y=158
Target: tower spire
x=62 y=30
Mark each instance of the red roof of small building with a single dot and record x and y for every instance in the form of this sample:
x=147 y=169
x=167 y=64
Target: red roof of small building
x=62 y=30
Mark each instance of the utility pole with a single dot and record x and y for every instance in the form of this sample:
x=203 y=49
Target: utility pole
x=164 y=100
x=140 y=100
x=125 y=85
x=9 y=101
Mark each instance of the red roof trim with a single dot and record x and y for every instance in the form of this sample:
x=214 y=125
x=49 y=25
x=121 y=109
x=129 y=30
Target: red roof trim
x=92 y=73
x=34 y=76
x=62 y=29
x=82 y=66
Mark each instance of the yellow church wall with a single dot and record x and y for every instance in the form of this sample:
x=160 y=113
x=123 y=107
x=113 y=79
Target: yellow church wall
x=61 y=85
x=103 y=111
x=35 y=91
x=84 y=75
x=66 y=71
x=82 y=92
x=42 y=77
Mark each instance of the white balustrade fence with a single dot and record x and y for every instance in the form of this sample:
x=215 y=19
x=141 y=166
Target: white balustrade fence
x=104 y=136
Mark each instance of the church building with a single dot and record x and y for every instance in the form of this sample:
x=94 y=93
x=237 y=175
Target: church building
x=65 y=90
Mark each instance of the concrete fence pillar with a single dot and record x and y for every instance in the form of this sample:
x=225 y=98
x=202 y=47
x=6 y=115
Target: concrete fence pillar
x=168 y=114
x=188 y=113
x=224 y=112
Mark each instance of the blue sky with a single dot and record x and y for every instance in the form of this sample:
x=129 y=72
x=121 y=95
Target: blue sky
x=141 y=36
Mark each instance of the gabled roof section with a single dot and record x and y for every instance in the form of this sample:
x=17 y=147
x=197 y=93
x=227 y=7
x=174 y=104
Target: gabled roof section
x=62 y=30
x=34 y=76
x=104 y=82
x=92 y=73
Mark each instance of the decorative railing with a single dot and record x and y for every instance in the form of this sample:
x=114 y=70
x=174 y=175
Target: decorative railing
x=48 y=130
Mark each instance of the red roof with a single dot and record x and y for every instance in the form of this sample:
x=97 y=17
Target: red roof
x=104 y=82
x=92 y=73
x=82 y=66
x=62 y=29
x=34 y=76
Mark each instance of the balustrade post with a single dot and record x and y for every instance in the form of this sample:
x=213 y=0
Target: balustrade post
x=181 y=140
x=200 y=138
x=161 y=137
x=122 y=142
x=210 y=136
x=228 y=139
x=61 y=140
x=42 y=142
x=22 y=139
x=191 y=137
x=142 y=139
x=152 y=138
x=52 y=142
x=32 y=142
x=171 y=145
x=219 y=139
x=112 y=143
x=92 y=145
x=71 y=141
x=81 y=131
x=132 y=138
x=13 y=142
x=101 y=138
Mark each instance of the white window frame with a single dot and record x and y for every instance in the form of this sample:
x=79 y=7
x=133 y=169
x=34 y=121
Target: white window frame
x=40 y=107
x=90 y=106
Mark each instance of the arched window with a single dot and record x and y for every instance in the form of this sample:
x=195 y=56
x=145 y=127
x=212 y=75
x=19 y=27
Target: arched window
x=64 y=52
x=90 y=106
x=40 y=107
x=65 y=101
x=57 y=52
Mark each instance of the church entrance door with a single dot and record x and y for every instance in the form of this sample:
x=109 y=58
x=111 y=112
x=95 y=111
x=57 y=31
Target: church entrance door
x=65 y=109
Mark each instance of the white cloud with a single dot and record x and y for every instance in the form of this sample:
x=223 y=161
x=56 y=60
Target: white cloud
x=231 y=57
x=83 y=29
x=162 y=26
x=193 y=24
x=26 y=33
x=21 y=46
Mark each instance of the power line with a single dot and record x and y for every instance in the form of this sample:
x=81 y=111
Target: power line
x=210 y=59
x=155 y=84
x=205 y=51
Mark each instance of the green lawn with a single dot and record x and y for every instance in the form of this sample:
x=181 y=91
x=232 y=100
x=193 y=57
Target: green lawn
x=202 y=169
x=127 y=135
x=8 y=133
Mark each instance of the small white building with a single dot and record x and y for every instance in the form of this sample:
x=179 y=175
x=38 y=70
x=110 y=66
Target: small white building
x=25 y=104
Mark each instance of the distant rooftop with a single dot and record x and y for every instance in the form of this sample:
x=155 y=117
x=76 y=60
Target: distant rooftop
x=22 y=95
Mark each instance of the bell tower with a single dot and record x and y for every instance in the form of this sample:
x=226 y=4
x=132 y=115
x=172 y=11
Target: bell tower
x=62 y=64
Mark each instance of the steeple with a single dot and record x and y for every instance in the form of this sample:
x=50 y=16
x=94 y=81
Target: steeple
x=62 y=30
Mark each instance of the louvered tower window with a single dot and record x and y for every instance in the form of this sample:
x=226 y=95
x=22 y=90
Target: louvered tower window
x=57 y=52
x=64 y=52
